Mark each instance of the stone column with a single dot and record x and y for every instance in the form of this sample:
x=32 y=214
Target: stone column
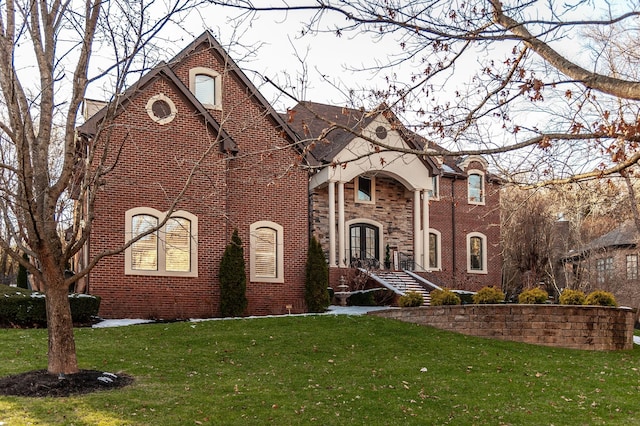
x=341 y=232
x=332 y=225
x=416 y=229
x=425 y=230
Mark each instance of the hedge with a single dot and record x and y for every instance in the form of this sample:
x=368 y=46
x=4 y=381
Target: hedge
x=25 y=308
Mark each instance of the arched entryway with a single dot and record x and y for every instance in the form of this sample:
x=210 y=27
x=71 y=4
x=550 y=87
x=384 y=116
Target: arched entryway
x=364 y=242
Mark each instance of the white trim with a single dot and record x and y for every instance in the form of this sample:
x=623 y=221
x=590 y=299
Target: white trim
x=473 y=158
x=217 y=80
x=279 y=278
x=438 y=250
x=356 y=189
x=483 y=185
x=161 y=270
x=485 y=256
x=161 y=120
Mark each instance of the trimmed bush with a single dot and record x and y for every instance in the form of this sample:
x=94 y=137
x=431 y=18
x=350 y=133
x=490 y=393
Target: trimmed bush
x=533 y=296
x=233 y=281
x=411 y=299
x=488 y=295
x=26 y=308
x=572 y=297
x=316 y=295
x=361 y=298
x=22 y=280
x=444 y=297
x=601 y=298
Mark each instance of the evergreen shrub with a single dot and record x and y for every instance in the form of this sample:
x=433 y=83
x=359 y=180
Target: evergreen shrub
x=572 y=297
x=362 y=298
x=411 y=299
x=444 y=297
x=533 y=296
x=22 y=278
x=316 y=295
x=601 y=298
x=233 y=281
x=26 y=308
x=488 y=295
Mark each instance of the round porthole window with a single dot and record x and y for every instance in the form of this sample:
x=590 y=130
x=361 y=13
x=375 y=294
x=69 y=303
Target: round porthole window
x=381 y=132
x=161 y=109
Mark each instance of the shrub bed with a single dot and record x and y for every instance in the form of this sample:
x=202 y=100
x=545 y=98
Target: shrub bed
x=25 y=308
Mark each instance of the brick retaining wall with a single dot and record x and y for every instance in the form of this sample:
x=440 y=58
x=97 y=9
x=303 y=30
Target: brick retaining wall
x=576 y=327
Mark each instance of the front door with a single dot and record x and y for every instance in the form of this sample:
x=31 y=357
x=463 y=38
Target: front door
x=364 y=245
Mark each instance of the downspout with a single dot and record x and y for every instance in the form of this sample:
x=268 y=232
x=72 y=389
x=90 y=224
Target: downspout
x=309 y=213
x=453 y=229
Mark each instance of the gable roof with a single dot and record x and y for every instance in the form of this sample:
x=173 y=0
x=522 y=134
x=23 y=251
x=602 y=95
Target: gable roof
x=310 y=121
x=165 y=70
x=90 y=127
x=209 y=41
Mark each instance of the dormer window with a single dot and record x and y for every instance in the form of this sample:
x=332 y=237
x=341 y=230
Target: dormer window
x=206 y=85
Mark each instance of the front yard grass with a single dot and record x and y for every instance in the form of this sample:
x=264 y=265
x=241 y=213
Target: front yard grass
x=325 y=370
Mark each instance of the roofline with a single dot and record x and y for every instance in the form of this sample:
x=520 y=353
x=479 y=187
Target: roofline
x=231 y=65
x=89 y=128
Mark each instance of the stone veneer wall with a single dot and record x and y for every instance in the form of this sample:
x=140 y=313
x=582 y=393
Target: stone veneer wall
x=575 y=327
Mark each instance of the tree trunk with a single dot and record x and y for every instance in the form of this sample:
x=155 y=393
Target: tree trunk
x=62 y=347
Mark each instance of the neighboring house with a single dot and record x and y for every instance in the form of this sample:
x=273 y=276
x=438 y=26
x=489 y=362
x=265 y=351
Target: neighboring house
x=609 y=263
x=440 y=217
x=198 y=119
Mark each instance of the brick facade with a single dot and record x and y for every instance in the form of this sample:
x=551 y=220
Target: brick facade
x=227 y=191
x=450 y=214
x=238 y=174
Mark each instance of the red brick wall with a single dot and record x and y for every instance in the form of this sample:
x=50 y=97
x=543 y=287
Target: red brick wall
x=576 y=327
x=258 y=184
x=454 y=217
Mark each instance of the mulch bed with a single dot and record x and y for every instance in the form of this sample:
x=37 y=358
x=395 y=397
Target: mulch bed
x=39 y=383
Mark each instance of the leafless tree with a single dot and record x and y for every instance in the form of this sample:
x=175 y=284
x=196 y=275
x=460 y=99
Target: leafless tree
x=46 y=51
x=490 y=77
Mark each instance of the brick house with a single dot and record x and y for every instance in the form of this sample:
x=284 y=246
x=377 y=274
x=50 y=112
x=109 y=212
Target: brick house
x=197 y=119
x=437 y=216
x=610 y=263
x=194 y=143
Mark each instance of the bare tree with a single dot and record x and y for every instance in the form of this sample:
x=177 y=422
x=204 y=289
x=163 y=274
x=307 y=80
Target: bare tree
x=489 y=77
x=45 y=67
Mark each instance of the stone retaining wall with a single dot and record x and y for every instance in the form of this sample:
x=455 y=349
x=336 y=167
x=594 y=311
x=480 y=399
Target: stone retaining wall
x=576 y=327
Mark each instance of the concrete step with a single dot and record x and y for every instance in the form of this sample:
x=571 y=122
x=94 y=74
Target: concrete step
x=404 y=282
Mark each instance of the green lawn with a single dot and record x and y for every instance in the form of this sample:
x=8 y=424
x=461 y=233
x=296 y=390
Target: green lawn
x=325 y=370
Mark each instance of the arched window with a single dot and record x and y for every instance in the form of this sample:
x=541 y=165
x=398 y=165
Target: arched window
x=476 y=253
x=144 y=252
x=435 y=256
x=206 y=85
x=475 y=187
x=168 y=251
x=266 y=252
